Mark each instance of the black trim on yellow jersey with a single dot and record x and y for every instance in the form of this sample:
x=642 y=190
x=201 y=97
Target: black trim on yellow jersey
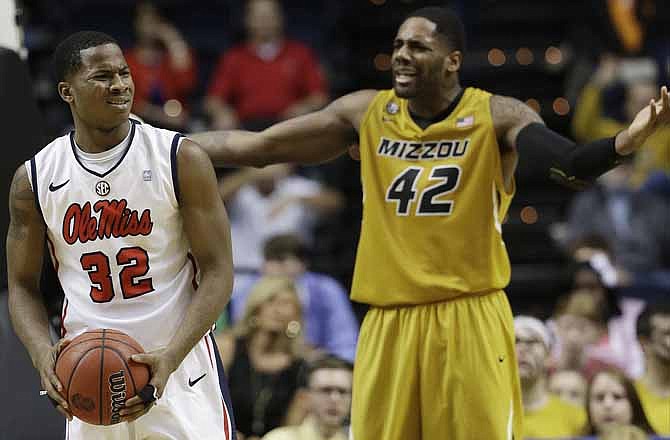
x=426 y=122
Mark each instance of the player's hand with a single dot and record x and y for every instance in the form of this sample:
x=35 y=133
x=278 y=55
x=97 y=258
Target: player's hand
x=46 y=366
x=161 y=364
x=649 y=119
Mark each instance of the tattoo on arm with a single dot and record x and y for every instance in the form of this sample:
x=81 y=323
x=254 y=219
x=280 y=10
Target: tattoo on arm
x=20 y=196
x=510 y=116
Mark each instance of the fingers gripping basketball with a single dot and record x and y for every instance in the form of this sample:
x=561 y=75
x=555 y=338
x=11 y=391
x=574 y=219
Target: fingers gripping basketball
x=98 y=376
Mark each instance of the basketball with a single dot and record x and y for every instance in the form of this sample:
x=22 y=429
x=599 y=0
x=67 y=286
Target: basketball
x=98 y=376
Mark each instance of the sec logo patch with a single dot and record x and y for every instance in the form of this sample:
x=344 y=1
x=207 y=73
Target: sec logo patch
x=102 y=188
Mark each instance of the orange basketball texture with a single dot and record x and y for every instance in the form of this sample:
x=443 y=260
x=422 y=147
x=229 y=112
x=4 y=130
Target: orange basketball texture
x=98 y=376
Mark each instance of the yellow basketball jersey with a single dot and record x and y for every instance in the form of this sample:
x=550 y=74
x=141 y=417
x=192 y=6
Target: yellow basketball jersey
x=433 y=201
x=656 y=408
x=556 y=419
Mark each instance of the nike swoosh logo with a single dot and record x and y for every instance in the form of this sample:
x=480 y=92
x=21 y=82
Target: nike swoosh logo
x=53 y=187
x=193 y=382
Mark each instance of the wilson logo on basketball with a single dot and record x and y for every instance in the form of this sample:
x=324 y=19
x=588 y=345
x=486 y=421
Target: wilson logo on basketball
x=117 y=388
x=114 y=219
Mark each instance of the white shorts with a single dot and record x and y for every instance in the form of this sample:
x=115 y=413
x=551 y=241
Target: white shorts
x=184 y=412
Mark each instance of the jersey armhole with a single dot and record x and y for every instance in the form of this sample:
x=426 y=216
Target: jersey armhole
x=176 y=141
x=369 y=110
x=32 y=178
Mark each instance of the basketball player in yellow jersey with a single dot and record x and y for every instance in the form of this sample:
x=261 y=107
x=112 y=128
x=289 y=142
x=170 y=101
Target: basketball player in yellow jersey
x=436 y=355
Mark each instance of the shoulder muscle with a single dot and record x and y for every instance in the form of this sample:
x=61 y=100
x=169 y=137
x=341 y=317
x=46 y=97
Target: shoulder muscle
x=510 y=116
x=353 y=106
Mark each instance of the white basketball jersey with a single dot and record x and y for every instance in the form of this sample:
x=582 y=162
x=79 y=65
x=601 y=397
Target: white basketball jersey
x=116 y=238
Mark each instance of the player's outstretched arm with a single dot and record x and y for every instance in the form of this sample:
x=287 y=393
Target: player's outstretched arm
x=519 y=128
x=312 y=138
x=25 y=244
x=206 y=226
x=652 y=117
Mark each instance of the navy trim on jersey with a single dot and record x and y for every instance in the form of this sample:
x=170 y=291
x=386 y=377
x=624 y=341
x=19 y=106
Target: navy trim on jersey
x=33 y=175
x=173 y=164
x=223 y=384
x=130 y=143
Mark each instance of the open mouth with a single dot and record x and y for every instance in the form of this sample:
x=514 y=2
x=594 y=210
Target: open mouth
x=119 y=102
x=404 y=76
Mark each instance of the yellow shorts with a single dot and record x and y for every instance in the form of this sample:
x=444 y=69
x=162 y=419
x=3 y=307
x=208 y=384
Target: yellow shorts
x=438 y=371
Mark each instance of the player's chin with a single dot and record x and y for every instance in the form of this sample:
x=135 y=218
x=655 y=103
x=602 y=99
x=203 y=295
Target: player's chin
x=405 y=92
x=114 y=119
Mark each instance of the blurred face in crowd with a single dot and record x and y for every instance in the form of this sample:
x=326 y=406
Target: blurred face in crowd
x=658 y=345
x=100 y=92
x=588 y=281
x=290 y=266
x=608 y=403
x=421 y=59
x=147 y=21
x=638 y=96
x=577 y=330
x=569 y=385
x=330 y=395
x=275 y=314
x=264 y=20
x=531 y=354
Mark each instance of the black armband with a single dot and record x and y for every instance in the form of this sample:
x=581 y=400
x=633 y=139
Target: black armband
x=570 y=164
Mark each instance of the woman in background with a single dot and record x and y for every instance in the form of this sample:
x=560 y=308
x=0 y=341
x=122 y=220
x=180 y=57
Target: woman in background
x=263 y=357
x=611 y=402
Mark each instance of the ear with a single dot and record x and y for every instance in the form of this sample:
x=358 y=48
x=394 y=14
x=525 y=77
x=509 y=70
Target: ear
x=453 y=61
x=644 y=343
x=65 y=92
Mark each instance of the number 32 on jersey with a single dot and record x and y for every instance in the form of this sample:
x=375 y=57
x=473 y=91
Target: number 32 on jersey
x=403 y=192
x=135 y=263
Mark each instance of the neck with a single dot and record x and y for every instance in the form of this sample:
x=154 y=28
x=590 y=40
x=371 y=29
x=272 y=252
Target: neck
x=258 y=40
x=95 y=140
x=267 y=342
x=327 y=431
x=657 y=376
x=534 y=393
x=430 y=106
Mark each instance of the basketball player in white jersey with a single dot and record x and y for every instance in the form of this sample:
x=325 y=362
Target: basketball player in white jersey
x=140 y=240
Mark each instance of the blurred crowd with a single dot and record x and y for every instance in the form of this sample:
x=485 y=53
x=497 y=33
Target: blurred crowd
x=596 y=363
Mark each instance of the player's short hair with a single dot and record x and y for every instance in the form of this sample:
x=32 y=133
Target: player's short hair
x=449 y=24
x=281 y=246
x=67 y=56
x=643 y=327
x=328 y=362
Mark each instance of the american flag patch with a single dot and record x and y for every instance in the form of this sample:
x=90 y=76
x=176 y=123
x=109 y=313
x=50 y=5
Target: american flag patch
x=465 y=122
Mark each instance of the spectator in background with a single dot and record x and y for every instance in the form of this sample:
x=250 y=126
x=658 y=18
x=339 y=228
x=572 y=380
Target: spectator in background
x=583 y=339
x=330 y=323
x=266 y=79
x=613 y=402
x=269 y=201
x=633 y=223
x=596 y=275
x=163 y=69
x=653 y=330
x=569 y=385
x=329 y=382
x=263 y=357
x=545 y=415
x=637 y=78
